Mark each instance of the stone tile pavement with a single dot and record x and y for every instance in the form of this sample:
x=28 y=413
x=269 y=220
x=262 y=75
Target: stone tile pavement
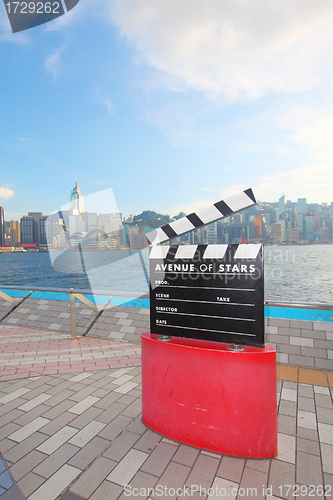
x=26 y=352
x=77 y=434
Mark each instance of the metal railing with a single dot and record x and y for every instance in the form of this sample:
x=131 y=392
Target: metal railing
x=73 y=294
x=80 y=296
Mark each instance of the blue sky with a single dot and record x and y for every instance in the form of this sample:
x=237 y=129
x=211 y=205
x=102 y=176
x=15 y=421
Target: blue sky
x=172 y=104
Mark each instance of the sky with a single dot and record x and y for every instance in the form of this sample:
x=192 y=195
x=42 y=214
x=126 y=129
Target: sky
x=173 y=104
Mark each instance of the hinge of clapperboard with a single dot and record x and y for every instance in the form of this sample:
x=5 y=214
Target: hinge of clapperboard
x=203 y=217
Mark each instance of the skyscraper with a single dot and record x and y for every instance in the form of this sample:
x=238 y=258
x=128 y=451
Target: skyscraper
x=301 y=213
x=282 y=207
x=76 y=199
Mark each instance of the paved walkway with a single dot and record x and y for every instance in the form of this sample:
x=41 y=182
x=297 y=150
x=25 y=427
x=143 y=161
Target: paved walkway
x=71 y=431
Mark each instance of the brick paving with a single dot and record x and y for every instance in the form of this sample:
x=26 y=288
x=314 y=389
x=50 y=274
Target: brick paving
x=76 y=432
x=26 y=352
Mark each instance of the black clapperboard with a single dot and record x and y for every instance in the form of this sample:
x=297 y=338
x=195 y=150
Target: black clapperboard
x=207 y=292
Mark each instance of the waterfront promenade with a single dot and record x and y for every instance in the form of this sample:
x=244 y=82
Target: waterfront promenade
x=70 y=428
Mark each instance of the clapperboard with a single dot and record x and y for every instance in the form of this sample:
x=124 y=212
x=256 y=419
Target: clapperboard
x=207 y=292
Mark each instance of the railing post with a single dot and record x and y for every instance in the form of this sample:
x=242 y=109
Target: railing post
x=72 y=312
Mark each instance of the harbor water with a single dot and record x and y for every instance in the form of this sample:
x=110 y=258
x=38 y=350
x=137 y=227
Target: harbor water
x=294 y=273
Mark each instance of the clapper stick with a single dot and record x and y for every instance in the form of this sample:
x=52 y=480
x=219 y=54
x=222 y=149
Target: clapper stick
x=224 y=208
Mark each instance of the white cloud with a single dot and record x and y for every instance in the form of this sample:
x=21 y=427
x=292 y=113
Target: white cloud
x=53 y=63
x=14 y=215
x=313 y=181
x=6 y=193
x=234 y=49
x=104 y=101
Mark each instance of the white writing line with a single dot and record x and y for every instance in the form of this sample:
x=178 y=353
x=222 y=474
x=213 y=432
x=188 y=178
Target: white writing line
x=205 y=316
x=208 y=302
x=206 y=330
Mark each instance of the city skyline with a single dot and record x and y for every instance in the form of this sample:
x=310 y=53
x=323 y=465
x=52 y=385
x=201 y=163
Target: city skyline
x=171 y=106
x=102 y=226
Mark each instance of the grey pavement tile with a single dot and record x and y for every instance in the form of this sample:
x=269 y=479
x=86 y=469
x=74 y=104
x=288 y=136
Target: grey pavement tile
x=29 y=483
x=90 y=480
x=141 y=483
x=159 y=459
x=112 y=430
x=68 y=495
x=261 y=465
x=59 y=389
x=31 y=415
x=83 y=405
x=6 y=408
x=203 y=472
x=55 y=461
x=148 y=441
x=10 y=417
x=231 y=468
x=100 y=393
x=307 y=434
x=82 y=420
x=327 y=457
x=305 y=391
x=281 y=474
x=174 y=476
x=137 y=426
x=287 y=408
x=127 y=467
x=287 y=425
x=18 y=451
x=87 y=433
x=127 y=400
x=58 y=439
x=121 y=445
x=88 y=453
x=324 y=415
x=328 y=483
x=308 y=469
x=255 y=482
x=134 y=409
x=58 y=423
x=111 y=413
x=308 y=446
x=107 y=491
x=185 y=455
x=108 y=400
x=56 y=484
x=306 y=404
x=58 y=408
x=323 y=400
x=26 y=464
x=81 y=394
x=8 y=430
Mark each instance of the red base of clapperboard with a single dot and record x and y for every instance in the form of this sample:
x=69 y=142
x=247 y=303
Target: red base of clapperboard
x=203 y=394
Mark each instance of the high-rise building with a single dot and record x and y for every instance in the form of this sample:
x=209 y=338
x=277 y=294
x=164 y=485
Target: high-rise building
x=2 y=226
x=278 y=231
x=27 y=230
x=309 y=233
x=258 y=227
x=15 y=233
x=76 y=199
x=301 y=212
x=282 y=207
x=211 y=233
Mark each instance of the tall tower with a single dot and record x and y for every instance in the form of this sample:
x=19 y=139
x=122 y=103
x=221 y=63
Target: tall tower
x=76 y=199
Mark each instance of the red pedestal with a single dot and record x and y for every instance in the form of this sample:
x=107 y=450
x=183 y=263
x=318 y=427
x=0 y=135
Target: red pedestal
x=203 y=394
